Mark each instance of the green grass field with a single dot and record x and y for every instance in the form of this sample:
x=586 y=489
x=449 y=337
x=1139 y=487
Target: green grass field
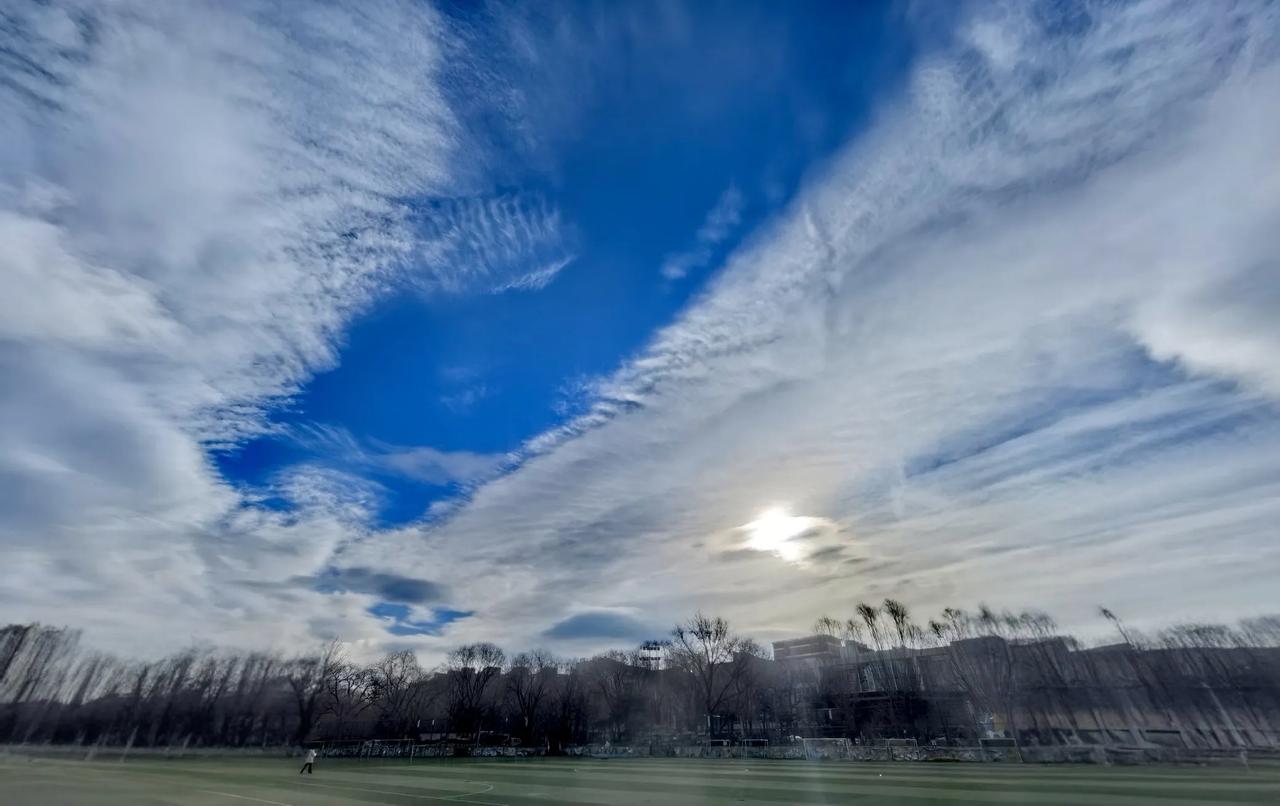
x=665 y=782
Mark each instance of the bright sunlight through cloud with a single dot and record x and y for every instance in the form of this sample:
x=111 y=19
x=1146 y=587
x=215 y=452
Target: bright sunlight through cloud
x=776 y=531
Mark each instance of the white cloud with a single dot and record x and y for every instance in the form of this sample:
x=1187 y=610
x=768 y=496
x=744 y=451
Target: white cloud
x=1027 y=322
x=195 y=199
x=1017 y=343
x=501 y=243
x=461 y=401
x=422 y=463
x=721 y=221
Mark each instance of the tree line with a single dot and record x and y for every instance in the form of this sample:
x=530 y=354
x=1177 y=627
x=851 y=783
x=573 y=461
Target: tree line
x=875 y=674
x=1016 y=674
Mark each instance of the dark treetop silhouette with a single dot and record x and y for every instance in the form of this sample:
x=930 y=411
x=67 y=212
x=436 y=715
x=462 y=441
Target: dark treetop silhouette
x=872 y=676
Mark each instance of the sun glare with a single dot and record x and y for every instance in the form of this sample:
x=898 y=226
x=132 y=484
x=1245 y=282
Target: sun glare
x=776 y=531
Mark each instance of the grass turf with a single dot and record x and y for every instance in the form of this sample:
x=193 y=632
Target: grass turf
x=664 y=782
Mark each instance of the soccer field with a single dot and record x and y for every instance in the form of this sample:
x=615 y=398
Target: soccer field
x=667 y=782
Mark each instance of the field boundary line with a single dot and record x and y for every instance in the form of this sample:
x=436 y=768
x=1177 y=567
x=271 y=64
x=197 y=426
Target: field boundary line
x=243 y=797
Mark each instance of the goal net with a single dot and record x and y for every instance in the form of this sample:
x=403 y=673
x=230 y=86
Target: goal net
x=822 y=749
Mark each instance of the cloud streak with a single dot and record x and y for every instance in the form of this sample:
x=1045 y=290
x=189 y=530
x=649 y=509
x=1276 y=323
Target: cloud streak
x=721 y=221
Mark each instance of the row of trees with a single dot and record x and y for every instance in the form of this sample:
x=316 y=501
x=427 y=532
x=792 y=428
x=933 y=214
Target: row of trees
x=52 y=690
x=879 y=674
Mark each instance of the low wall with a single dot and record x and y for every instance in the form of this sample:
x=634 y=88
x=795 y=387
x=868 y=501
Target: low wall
x=869 y=753
x=794 y=752
x=1124 y=755
x=505 y=752
x=1009 y=755
x=779 y=752
x=406 y=751
x=90 y=752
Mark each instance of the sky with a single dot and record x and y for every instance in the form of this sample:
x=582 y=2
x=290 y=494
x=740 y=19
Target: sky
x=550 y=324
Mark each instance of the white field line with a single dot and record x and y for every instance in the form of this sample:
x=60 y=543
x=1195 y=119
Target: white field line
x=415 y=795
x=488 y=788
x=243 y=797
x=47 y=771
x=115 y=768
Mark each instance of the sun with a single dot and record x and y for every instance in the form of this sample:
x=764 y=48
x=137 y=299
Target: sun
x=775 y=531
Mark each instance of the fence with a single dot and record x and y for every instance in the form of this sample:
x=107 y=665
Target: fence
x=1094 y=754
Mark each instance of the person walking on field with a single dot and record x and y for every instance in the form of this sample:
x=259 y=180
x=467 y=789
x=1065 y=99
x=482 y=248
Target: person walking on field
x=309 y=763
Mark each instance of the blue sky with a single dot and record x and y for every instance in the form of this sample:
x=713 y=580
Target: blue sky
x=652 y=126
x=417 y=323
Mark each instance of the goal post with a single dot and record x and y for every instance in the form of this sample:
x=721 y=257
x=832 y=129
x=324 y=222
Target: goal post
x=826 y=749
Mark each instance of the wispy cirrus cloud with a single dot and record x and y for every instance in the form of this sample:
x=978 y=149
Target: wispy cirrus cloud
x=723 y=218
x=497 y=243
x=1024 y=322
x=461 y=401
x=421 y=463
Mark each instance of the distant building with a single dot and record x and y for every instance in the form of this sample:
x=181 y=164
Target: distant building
x=1044 y=691
x=814 y=648
x=651 y=654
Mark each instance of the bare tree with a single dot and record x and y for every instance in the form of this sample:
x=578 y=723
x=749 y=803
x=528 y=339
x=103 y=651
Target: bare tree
x=885 y=671
x=854 y=632
x=901 y=617
x=530 y=675
x=348 y=691
x=471 y=668
x=568 y=706
x=827 y=626
x=1110 y=616
x=982 y=660
x=394 y=687
x=746 y=684
x=307 y=676
x=707 y=649
x=618 y=677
